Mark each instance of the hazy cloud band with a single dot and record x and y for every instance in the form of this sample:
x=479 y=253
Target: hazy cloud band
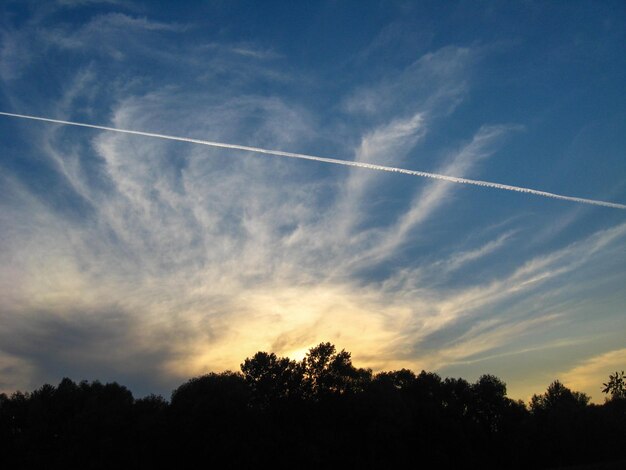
x=371 y=166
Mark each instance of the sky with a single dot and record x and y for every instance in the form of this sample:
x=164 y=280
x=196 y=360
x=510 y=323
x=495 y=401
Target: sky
x=143 y=261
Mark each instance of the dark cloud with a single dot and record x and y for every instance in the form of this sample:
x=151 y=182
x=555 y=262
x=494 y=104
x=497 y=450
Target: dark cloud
x=101 y=344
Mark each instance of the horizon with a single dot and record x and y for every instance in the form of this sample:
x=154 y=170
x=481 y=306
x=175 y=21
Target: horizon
x=134 y=259
x=300 y=359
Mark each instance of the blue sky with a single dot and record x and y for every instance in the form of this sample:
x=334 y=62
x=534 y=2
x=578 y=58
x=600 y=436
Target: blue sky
x=145 y=261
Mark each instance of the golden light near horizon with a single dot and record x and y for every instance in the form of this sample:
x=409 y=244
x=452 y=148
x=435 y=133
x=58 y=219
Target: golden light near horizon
x=289 y=321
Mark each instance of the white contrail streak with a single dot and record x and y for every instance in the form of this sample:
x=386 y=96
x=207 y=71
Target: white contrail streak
x=370 y=166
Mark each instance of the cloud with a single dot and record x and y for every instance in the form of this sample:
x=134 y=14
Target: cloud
x=459 y=260
x=16 y=370
x=462 y=323
x=203 y=254
x=78 y=3
x=436 y=81
x=104 y=345
x=111 y=27
x=386 y=144
x=13 y=55
x=244 y=49
x=435 y=194
x=148 y=261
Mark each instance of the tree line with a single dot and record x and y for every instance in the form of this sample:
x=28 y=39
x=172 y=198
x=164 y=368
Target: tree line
x=319 y=412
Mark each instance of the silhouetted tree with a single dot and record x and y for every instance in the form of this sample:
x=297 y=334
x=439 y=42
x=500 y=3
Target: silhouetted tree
x=558 y=398
x=272 y=378
x=397 y=380
x=210 y=419
x=616 y=386
x=319 y=412
x=611 y=437
x=560 y=419
x=151 y=429
x=489 y=402
x=327 y=372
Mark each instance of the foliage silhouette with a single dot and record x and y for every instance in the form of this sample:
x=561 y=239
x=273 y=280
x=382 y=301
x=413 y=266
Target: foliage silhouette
x=616 y=386
x=326 y=372
x=271 y=379
x=319 y=412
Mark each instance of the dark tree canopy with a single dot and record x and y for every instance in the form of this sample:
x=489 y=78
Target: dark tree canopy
x=319 y=412
x=327 y=372
x=271 y=379
x=616 y=386
x=558 y=398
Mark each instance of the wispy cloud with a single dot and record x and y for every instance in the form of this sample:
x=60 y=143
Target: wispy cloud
x=436 y=81
x=182 y=259
x=109 y=26
x=435 y=195
x=244 y=49
x=461 y=259
x=529 y=290
x=201 y=252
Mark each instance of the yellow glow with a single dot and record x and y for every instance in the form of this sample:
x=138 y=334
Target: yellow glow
x=589 y=375
x=299 y=354
x=289 y=321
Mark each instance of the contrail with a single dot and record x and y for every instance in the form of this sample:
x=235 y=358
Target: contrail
x=370 y=166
